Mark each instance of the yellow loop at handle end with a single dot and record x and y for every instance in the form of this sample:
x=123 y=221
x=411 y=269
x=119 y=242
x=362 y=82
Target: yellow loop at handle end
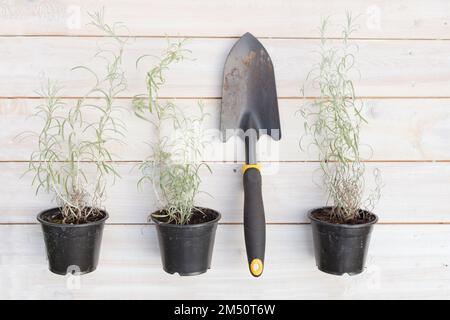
x=256 y=267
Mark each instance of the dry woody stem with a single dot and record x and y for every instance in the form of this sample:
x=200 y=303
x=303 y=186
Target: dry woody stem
x=333 y=122
x=73 y=158
x=174 y=166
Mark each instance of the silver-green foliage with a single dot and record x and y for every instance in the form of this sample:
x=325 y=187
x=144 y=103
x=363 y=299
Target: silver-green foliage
x=173 y=167
x=333 y=121
x=73 y=160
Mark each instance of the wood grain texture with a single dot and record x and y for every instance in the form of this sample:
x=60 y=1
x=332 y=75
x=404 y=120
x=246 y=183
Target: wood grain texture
x=404 y=262
x=412 y=193
x=416 y=129
x=388 y=69
x=405 y=71
x=285 y=18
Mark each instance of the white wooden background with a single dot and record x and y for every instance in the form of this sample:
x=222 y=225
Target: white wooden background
x=405 y=81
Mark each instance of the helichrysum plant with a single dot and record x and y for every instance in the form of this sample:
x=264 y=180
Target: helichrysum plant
x=73 y=159
x=174 y=165
x=333 y=123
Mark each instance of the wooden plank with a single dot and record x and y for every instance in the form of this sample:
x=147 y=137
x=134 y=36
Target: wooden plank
x=412 y=192
x=388 y=69
x=397 y=129
x=379 y=19
x=404 y=262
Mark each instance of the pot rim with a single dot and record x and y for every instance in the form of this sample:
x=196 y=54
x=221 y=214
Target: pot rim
x=342 y=225
x=198 y=225
x=42 y=221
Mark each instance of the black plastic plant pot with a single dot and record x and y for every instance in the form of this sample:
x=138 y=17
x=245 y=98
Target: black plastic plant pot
x=187 y=249
x=72 y=248
x=340 y=248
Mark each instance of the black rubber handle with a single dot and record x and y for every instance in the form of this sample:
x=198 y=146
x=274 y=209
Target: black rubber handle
x=254 y=221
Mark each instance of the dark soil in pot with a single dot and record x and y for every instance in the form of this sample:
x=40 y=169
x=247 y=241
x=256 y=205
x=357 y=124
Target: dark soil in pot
x=341 y=247
x=71 y=248
x=187 y=249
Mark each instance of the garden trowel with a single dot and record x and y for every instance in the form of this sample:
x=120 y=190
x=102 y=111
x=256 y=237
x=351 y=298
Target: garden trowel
x=250 y=109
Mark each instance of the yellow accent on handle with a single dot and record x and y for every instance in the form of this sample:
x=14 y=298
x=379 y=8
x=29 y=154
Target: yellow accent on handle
x=245 y=167
x=256 y=267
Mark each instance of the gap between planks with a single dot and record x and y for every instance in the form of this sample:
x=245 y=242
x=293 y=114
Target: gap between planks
x=396 y=223
x=214 y=37
x=219 y=98
x=262 y=161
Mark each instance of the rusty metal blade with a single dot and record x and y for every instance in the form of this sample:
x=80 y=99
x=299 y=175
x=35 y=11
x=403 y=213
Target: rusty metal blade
x=249 y=96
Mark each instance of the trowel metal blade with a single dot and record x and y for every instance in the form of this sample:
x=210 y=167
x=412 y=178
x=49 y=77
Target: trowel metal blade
x=249 y=96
